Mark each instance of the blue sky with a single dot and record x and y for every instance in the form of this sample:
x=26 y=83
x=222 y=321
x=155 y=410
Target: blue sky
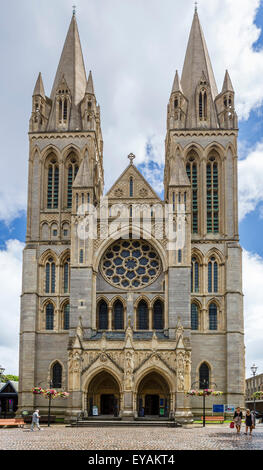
x=138 y=50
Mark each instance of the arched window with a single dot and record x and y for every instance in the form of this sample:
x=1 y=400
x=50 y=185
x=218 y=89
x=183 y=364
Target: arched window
x=195 y=275
x=179 y=256
x=212 y=188
x=49 y=317
x=66 y=277
x=203 y=105
x=81 y=256
x=66 y=317
x=65 y=110
x=50 y=283
x=53 y=184
x=204 y=378
x=194 y=317
x=118 y=317
x=72 y=173
x=102 y=315
x=131 y=187
x=191 y=169
x=143 y=316
x=212 y=317
x=60 y=110
x=158 y=320
x=212 y=275
x=57 y=375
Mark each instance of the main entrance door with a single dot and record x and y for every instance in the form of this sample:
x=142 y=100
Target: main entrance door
x=103 y=395
x=107 y=404
x=153 y=396
x=152 y=405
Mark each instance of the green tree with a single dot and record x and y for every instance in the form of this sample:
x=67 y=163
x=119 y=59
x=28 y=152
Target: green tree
x=5 y=378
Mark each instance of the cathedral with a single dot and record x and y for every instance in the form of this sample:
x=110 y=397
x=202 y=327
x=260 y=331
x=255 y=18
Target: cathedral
x=116 y=309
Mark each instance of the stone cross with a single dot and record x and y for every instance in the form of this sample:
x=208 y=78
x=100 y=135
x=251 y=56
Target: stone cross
x=131 y=157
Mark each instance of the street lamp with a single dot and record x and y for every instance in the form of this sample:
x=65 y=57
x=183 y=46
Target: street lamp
x=203 y=385
x=254 y=371
x=49 y=402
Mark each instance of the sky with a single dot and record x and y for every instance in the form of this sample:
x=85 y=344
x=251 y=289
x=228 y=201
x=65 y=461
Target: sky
x=133 y=48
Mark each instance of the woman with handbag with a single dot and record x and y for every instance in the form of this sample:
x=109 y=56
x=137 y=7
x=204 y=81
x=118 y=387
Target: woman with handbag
x=237 y=418
x=250 y=422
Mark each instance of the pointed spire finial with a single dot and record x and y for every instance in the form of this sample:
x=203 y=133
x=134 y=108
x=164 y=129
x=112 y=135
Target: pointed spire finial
x=74 y=10
x=196 y=5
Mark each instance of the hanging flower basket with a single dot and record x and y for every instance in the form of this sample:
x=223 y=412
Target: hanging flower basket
x=37 y=390
x=50 y=393
x=207 y=392
x=62 y=394
x=258 y=395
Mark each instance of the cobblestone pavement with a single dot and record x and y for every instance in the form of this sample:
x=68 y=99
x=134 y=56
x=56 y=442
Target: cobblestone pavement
x=60 y=437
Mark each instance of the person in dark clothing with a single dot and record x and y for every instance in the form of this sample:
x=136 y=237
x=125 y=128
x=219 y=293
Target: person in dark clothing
x=250 y=422
x=237 y=418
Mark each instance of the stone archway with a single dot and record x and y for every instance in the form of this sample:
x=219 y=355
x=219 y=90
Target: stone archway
x=153 y=396
x=104 y=393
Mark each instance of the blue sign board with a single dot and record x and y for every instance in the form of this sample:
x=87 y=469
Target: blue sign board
x=218 y=408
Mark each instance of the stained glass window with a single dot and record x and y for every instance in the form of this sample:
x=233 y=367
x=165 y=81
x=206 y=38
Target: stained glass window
x=72 y=172
x=129 y=263
x=142 y=316
x=158 y=321
x=195 y=275
x=191 y=169
x=53 y=185
x=212 y=316
x=212 y=275
x=49 y=317
x=194 y=317
x=66 y=276
x=57 y=375
x=103 y=315
x=66 y=317
x=204 y=376
x=131 y=187
x=50 y=282
x=118 y=320
x=212 y=189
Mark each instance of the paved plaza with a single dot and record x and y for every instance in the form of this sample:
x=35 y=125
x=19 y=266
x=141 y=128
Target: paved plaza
x=60 y=437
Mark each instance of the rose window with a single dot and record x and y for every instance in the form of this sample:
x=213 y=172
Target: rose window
x=130 y=264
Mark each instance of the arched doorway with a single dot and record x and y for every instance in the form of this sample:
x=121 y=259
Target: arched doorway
x=153 y=397
x=103 y=393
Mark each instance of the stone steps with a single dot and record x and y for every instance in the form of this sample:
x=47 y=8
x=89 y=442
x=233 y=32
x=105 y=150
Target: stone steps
x=121 y=423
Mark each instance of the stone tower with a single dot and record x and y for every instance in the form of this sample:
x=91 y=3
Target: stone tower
x=128 y=320
x=202 y=128
x=65 y=138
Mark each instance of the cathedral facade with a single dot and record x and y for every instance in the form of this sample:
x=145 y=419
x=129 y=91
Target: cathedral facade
x=121 y=312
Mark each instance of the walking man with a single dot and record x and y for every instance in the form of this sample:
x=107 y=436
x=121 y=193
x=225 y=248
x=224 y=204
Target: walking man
x=35 y=420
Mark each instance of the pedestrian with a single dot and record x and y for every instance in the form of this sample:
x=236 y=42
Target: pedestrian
x=250 y=421
x=35 y=421
x=238 y=419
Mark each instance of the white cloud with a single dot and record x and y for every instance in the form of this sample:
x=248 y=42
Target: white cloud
x=250 y=181
x=11 y=284
x=253 y=302
x=133 y=48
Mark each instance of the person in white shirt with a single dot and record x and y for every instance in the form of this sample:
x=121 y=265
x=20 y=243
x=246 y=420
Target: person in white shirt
x=35 y=420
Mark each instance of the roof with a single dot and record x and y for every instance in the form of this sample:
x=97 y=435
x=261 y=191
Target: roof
x=10 y=383
x=196 y=65
x=39 y=87
x=144 y=189
x=71 y=68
